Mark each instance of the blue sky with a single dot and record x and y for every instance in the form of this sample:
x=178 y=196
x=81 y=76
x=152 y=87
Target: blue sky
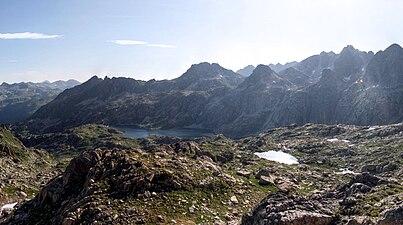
x=63 y=39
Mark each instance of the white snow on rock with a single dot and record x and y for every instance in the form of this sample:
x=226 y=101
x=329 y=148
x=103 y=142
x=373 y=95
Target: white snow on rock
x=7 y=207
x=347 y=171
x=332 y=140
x=279 y=156
x=335 y=139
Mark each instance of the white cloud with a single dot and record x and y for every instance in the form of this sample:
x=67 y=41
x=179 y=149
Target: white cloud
x=134 y=42
x=12 y=61
x=27 y=35
x=128 y=42
x=161 y=45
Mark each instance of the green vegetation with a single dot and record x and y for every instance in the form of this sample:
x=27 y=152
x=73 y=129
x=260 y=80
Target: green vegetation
x=11 y=146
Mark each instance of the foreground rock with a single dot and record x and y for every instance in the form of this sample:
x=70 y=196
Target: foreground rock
x=166 y=183
x=280 y=209
x=338 y=206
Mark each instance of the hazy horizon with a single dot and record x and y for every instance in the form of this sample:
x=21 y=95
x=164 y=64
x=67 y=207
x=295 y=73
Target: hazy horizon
x=146 y=40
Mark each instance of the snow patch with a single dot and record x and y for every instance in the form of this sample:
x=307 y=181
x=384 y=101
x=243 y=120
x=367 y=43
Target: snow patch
x=347 y=171
x=7 y=207
x=332 y=140
x=336 y=139
x=278 y=156
x=347 y=78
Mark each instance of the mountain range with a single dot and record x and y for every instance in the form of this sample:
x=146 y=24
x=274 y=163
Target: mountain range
x=352 y=87
x=19 y=101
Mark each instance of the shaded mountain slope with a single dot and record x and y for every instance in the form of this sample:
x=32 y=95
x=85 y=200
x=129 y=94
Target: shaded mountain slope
x=173 y=103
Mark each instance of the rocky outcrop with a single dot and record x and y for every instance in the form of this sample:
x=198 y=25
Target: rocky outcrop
x=73 y=192
x=281 y=209
x=337 y=206
x=392 y=216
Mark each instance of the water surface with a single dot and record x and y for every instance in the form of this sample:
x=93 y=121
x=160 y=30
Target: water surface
x=135 y=132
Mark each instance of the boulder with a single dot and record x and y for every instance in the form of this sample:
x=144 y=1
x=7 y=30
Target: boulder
x=266 y=180
x=282 y=209
x=392 y=216
x=244 y=173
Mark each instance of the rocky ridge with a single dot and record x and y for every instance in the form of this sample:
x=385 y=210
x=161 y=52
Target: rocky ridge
x=352 y=87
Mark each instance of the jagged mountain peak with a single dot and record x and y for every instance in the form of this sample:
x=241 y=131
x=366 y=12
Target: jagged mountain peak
x=93 y=78
x=280 y=67
x=348 y=48
x=386 y=67
x=246 y=71
x=350 y=62
x=262 y=70
x=323 y=53
x=207 y=76
x=264 y=77
x=207 y=70
x=205 y=66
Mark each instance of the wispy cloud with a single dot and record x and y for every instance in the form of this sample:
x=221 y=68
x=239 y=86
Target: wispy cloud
x=161 y=45
x=12 y=61
x=128 y=42
x=28 y=35
x=144 y=43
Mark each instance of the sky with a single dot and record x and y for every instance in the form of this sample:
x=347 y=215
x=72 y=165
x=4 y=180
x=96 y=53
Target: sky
x=146 y=39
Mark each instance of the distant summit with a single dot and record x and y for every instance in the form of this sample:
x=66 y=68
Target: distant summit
x=18 y=101
x=246 y=71
x=279 y=67
x=204 y=76
x=264 y=77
